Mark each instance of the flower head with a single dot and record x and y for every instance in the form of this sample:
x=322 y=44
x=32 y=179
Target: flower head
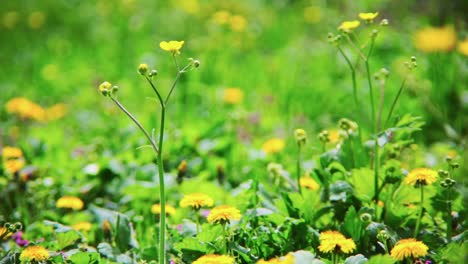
x=26 y=109
x=309 y=183
x=143 y=69
x=408 y=248
x=172 y=46
x=4 y=232
x=214 y=259
x=348 y=26
x=156 y=209
x=421 y=176
x=233 y=95
x=463 y=47
x=435 y=39
x=11 y=152
x=288 y=259
x=273 y=145
x=105 y=88
x=196 y=201
x=368 y=17
x=82 y=226
x=56 y=111
x=223 y=214
x=71 y=202
x=34 y=253
x=238 y=23
x=300 y=135
x=335 y=241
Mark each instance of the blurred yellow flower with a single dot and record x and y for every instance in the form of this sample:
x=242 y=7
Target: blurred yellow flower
x=10 y=19
x=334 y=136
x=196 y=201
x=335 y=241
x=82 y=226
x=189 y=6
x=172 y=46
x=14 y=165
x=105 y=86
x=238 y=23
x=422 y=176
x=409 y=248
x=312 y=14
x=288 y=259
x=233 y=95
x=309 y=183
x=273 y=145
x=25 y=109
x=34 y=254
x=369 y=17
x=70 y=202
x=36 y=20
x=56 y=111
x=4 y=233
x=300 y=135
x=223 y=214
x=214 y=259
x=11 y=152
x=13 y=160
x=221 y=17
x=156 y=209
x=463 y=47
x=435 y=39
x=347 y=26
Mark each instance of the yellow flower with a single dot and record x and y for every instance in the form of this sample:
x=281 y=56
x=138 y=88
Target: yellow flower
x=347 y=26
x=421 y=176
x=34 y=253
x=309 y=183
x=36 y=20
x=4 y=232
x=312 y=14
x=11 y=152
x=172 y=46
x=409 y=248
x=156 y=209
x=189 y=6
x=233 y=95
x=463 y=47
x=288 y=259
x=335 y=241
x=196 y=201
x=334 y=136
x=221 y=17
x=273 y=145
x=223 y=213
x=56 y=111
x=435 y=39
x=82 y=226
x=214 y=259
x=300 y=135
x=14 y=165
x=143 y=68
x=70 y=202
x=238 y=23
x=369 y=17
x=105 y=86
x=25 y=108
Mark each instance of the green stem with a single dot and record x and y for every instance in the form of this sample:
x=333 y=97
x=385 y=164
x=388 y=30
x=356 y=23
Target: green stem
x=353 y=76
x=381 y=102
x=298 y=168
x=389 y=116
x=421 y=210
x=197 y=218
x=449 y=215
x=179 y=73
x=162 y=223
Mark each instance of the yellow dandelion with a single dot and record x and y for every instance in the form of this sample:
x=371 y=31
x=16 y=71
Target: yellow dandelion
x=14 y=165
x=56 y=111
x=409 y=248
x=233 y=95
x=196 y=201
x=435 y=39
x=223 y=214
x=221 y=17
x=334 y=136
x=82 y=226
x=172 y=46
x=34 y=254
x=348 y=26
x=4 y=232
x=273 y=145
x=70 y=202
x=25 y=109
x=463 y=47
x=422 y=176
x=368 y=17
x=309 y=183
x=36 y=20
x=335 y=241
x=156 y=209
x=288 y=259
x=214 y=259
x=11 y=152
x=238 y=23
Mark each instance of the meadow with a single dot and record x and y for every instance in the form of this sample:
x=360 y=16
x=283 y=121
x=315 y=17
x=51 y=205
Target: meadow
x=197 y=131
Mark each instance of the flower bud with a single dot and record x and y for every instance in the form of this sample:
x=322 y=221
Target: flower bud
x=383 y=236
x=374 y=33
x=196 y=63
x=105 y=88
x=366 y=218
x=443 y=173
x=115 y=89
x=153 y=73
x=301 y=136
x=143 y=69
x=347 y=125
x=384 y=22
x=324 y=136
x=455 y=165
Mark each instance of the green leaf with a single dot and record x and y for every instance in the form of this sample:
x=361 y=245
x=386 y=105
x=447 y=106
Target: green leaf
x=357 y=259
x=363 y=181
x=352 y=224
x=210 y=233
x=67 y=239
x=58 y=228
x=381 y=259
x=84 y=258
x=106 y=250
x=454 y=253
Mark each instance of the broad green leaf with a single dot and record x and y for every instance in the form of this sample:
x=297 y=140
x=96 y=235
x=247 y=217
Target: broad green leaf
x=381 y=259
x=352 y=224
x=67 y=239
x=84 y=258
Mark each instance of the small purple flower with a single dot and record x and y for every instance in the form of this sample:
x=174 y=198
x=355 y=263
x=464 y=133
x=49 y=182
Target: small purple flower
x=18 y=237
x=205 y=212
x=428 y=262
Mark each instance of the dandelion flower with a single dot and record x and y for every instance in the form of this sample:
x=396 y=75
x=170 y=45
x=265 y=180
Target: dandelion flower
x=435 y=39
x=335 y=241
x=334 y=136
x=309 y=183
x=172 y=46
x=463 y=47
x=11 y=152
x=223 y=214
x=369 y=17
x=409 y=248
x=348 y=26
x=221 y=17
x=273 y=145
x=214 y=259
x=70 y=202
x=196 y=201
x=25 y=109
x=421 y=176
x=238 y=23
x=56 y=111
x=233 y=95
x=82 y=226
x=288 y=259
x=156 y=209
x=14 y=165
x=34 y=254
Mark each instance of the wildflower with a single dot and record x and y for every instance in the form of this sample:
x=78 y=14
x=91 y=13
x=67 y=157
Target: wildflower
x=4 y=232
x=335 y=241
x=14 y=165
x=300 y=135
x=348 y=26
x=25 y=109
x=233 y=95
x=196 y=201
x=334 y=136
x=172 y=46
x=273 y=145
x=10 y=19
x=19 y=240
x=347 y=125
x=82 y=226
x=309 y=183
x=143 y=69
x=56 y=111
x=408 y=248
x=221 y=17
x=214 y=259
x=288 y=259
x=421 y=176
x=463 y=47
x=223 y=213
x=34 y=254
x=156 y=209
x=238 y=23
x=11 y=152
x=189 y=6
x=368 y=17
x=105 y=88
x=71 y=202
x=435 y=39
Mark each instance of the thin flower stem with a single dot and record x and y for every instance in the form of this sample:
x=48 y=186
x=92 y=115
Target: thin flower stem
x=449 y=215
x=155 y=90
x=389 y=116
x=162 y=224
x=298 y=168
x=421 y=210
x=353 y=76
x=153 y=144
x=358 y=50
x=381 y=102
x=179 y=73
x=197 y=218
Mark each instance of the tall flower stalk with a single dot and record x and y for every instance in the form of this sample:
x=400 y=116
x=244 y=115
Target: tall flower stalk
x=110 y=91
